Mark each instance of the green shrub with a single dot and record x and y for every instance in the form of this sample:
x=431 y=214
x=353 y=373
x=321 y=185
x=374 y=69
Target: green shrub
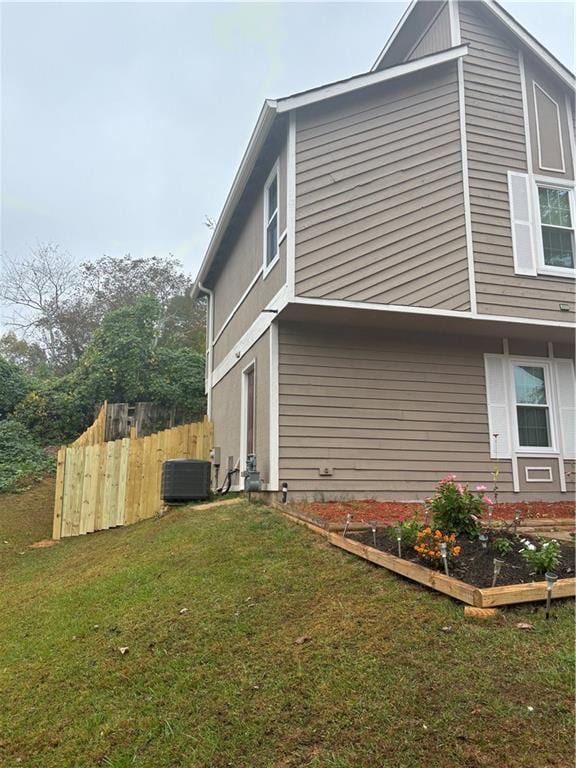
x=503 y=546
x=21 y=459
x=544 y=558
x=409 y=531
x=14 y=386
x=457 y=509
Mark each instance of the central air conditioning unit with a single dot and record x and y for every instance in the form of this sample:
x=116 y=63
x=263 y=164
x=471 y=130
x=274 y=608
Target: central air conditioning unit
x=185 y=480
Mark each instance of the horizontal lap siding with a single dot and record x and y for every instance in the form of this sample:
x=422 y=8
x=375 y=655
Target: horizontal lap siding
x=497 y=144
x=390 y=415
x=379 y=199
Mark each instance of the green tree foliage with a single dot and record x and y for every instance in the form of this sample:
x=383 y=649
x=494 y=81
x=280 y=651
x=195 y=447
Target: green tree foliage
x=124 y=362
x=29 y=356
x=21 y=459
x=14 y=386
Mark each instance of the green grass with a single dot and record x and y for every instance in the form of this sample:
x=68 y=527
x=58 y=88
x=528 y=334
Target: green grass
x=378 y=685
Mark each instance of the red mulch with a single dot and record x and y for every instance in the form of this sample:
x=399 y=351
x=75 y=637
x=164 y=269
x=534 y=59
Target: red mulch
x=365 y=510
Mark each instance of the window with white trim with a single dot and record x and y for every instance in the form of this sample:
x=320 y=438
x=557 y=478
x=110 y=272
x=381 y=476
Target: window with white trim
x=271 y=218
x=532 y=407
x=557 y=227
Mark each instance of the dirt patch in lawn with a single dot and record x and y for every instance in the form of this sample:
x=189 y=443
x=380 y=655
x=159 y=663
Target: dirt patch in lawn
x=389 y=512
x=475 y=565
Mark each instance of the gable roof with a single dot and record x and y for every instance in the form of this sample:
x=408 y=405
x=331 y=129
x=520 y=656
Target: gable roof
x=272 y=110
x=521 y=34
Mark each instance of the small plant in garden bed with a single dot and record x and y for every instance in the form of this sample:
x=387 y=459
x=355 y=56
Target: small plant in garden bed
x=428 y=546
x=457 y=509
x=543 y=557
x=503 y=546
x=408 y=531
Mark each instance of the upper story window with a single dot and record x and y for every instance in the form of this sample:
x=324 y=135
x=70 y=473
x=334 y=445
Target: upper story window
x=532 y=408
x=271 y=219
x=557 y=227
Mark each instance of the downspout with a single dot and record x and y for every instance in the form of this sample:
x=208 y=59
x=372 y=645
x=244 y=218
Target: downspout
x=209 y=337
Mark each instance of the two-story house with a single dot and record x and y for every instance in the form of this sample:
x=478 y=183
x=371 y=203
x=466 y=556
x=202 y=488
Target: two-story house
x=391 y=280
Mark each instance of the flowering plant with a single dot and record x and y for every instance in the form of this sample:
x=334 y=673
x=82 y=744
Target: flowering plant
x=428 y=545
x=545 y=558
x=457 y=509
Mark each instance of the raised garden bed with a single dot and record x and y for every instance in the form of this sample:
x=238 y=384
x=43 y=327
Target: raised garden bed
x=479 y=593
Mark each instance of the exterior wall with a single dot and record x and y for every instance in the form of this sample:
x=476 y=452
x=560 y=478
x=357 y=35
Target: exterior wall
x=240 y=267
x=227 y=410
x=379 y=195
x=421 y=18
x=388 y=415
x=496 y=144
x=436 y=37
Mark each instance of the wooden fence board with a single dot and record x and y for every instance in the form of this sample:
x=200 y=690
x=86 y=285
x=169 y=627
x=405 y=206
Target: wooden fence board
x=101 y=485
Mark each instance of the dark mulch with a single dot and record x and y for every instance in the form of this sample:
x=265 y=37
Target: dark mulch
x=475 y=565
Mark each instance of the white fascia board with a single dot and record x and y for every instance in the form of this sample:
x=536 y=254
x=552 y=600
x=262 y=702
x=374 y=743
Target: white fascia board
x=371 y=78
x=259 y=134
x=394 y=34
x=530 y=42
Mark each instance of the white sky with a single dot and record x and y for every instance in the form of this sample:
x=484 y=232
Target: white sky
x=123 y=123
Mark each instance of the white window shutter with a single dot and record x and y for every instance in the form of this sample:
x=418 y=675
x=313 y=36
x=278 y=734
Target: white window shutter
x=567 y=406
x=521 y=219
x=496 y=395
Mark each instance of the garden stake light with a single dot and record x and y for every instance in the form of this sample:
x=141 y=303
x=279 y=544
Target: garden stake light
x=551 y=579
x=444 y=553
x=373 y=526
x=497 y=568
x=517 y=519
x=348 y=521
x=399 y=540
x=483 y=539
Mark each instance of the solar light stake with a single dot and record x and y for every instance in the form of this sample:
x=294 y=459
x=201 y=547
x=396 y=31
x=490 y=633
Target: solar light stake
x=373 y=526
x=444 y=553
x=399 y=541
x=497 y=568
x=348 y=521
x=517 y=519
x=483 y=539
x=551 y=579
x=284 y=493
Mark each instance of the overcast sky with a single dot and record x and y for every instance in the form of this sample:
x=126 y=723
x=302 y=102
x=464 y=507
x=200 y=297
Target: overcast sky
x=123 y=123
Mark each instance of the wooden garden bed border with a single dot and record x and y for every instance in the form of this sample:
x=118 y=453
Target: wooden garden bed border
x=488 y=597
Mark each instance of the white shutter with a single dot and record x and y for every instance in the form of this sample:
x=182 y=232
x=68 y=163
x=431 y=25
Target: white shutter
x=567 y=406
x=521 y=219
x=496 y=394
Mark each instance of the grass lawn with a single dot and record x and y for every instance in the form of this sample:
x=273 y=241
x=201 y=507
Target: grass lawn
x=379 y=684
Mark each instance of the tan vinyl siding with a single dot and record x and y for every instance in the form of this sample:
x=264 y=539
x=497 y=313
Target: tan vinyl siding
x=227 y=407
x=436 y=38
x=390 y=415
x=497 y=144
x=239 y=268
x=379 y=198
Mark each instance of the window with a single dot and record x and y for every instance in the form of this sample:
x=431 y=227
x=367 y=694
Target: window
x=271 y=219
x=532 y=408
x=557 y=227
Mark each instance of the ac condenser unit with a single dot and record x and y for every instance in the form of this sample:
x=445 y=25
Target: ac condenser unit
x=185 y=480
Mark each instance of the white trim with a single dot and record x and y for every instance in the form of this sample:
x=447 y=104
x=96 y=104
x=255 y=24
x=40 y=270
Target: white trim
x=291 y=206
x=525 y=110
x=243 y=410
x=538 y=479
x=531 y=43
x=259 y=135
x=372 y=78
x=454 y=13
x=250 y=337
x=556 y=393
x=208 y=383
x=559 y=123
x=267 y=217
x=428 y=311
x=237 y=305
x=394 y=34
x=466 y=187
x=426 y=30
x=282 y=237
x=571 y=140
x=553 y=183
x=274 y=411
x=510 y=398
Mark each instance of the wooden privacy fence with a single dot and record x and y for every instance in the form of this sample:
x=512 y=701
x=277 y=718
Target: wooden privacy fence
x=96 y=432
x=103 y=485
